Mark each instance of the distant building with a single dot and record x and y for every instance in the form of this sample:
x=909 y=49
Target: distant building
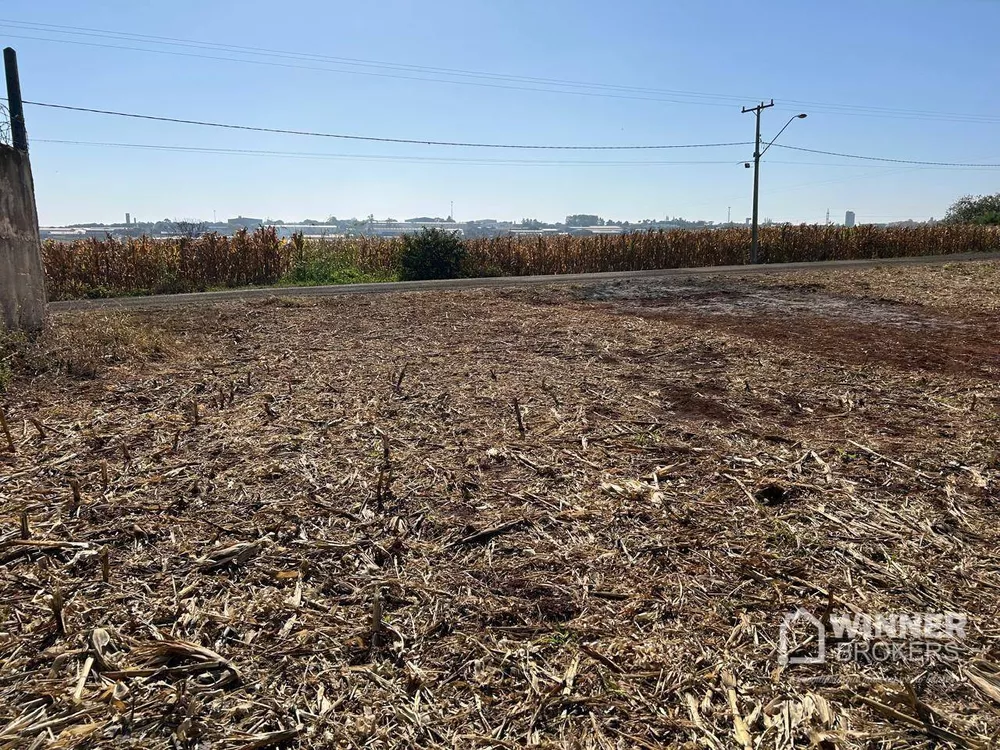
x=849 y=219
x=518 y=232
x=600 y=229
x=62 y=233
x=285 y=231
x=396 y=228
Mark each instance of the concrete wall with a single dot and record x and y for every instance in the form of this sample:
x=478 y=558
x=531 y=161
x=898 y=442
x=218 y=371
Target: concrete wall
x=22 y=281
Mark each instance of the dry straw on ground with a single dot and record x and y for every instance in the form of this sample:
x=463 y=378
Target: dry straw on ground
x=565 y=519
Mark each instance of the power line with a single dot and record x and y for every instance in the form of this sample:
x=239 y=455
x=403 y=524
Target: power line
x=818 y=108
x=469 y=144
x=837 y=180
x=886 y=171
x=378 y=139
x=374 y=157
x=888 y=112
x=430 y=159
x=379 y=75
x=298 y=55
x=886 y=159
x=603 y=89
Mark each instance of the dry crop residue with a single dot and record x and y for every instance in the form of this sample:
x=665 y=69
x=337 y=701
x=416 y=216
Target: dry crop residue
x=490 y=519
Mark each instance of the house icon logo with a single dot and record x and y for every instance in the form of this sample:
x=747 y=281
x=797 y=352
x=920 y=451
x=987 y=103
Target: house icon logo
x=809 y=621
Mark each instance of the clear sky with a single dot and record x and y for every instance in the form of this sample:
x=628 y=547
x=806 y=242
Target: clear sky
x=892 y=67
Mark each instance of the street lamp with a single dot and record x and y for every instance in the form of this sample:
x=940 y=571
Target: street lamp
x=757 y=153
x=793 y=117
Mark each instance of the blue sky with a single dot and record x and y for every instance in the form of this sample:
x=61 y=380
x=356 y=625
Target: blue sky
x=912 y=59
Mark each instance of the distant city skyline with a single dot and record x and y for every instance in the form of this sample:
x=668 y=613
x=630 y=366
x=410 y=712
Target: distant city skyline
x=389 y=226
x=850 y=218
x=131 y=219
x=909 y=81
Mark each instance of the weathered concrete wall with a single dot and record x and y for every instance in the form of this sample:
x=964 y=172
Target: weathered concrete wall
x=22 y=281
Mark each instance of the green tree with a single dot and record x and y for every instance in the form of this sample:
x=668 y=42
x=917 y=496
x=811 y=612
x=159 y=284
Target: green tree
x=584 y=220
x=975 y=209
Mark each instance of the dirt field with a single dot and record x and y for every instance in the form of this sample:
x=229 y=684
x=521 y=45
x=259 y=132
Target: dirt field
x=566 y=517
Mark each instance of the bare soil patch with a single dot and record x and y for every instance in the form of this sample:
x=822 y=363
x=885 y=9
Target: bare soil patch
x=494 y=519
x=809 y=317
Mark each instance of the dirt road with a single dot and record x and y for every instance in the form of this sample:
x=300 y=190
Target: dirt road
x=516 y=281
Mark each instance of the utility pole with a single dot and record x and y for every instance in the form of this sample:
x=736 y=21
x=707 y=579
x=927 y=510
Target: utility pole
x=757 y=153
x=19 y=136
x=754 y=229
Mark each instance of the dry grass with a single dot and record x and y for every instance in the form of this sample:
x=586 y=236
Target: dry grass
x=82 y=346
x=498 y=519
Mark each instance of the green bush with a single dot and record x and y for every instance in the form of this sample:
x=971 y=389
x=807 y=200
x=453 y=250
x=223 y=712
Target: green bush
x=975 y=209
x=432 y=254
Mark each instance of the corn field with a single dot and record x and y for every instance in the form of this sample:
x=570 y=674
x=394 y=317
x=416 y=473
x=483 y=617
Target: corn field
x=142 y=265
x=518 y=256
x=132 y=266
